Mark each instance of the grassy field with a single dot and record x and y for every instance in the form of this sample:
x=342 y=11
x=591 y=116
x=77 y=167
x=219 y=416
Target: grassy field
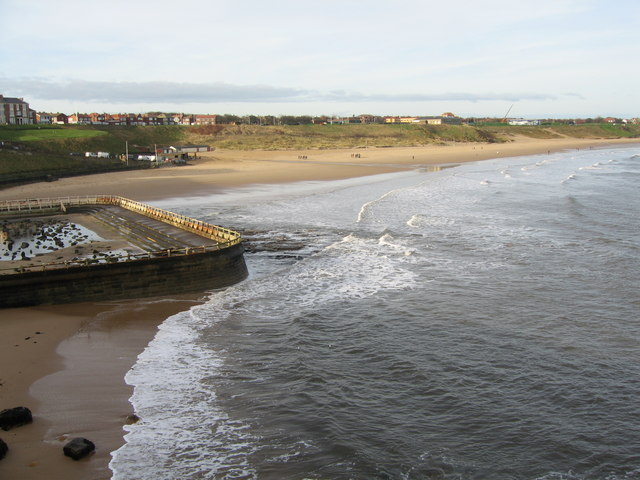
x=588 y=130
x=37 y=151
x=31 y=133
x=300 y=137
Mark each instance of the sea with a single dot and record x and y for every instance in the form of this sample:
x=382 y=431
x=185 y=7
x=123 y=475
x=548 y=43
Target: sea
x=471 y=321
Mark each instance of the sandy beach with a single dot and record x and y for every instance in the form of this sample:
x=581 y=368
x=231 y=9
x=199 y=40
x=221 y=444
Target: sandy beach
x=67 y=362
x=220 y=169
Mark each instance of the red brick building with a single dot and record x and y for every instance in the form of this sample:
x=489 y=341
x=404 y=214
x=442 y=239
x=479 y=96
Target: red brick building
x=15 y=111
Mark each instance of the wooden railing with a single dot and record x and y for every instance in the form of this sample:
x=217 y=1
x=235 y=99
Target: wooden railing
x=214 y=232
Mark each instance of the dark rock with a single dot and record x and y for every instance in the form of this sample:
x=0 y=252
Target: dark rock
x=15 y=417
x=434 y=473
x=131 y=419
x=3 y=449
x=78 y=448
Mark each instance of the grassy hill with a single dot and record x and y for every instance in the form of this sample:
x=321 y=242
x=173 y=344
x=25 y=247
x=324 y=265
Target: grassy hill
x=36 y=152
x=252 y=137
x=41 y=152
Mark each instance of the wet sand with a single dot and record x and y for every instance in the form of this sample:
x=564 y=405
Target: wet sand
x=67 y=362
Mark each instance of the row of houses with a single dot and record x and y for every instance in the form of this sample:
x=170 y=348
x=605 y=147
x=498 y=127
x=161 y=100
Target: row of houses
x=126 y=119
x=15 y=111
x=447 y=118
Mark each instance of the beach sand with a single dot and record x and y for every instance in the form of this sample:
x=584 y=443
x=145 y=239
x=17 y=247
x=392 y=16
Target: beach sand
x=67 y=362
x=225 y=169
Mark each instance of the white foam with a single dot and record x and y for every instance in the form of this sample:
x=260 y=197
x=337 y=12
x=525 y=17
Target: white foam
x=182 y=431
x=420 y=221
x=365 y=210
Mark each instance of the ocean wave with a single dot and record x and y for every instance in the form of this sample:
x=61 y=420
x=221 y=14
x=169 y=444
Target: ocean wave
x=183 y=433
x=419 y=221
x=372 y=358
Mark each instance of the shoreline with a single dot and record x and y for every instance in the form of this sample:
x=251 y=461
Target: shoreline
x=221 y=170
x=71 y=373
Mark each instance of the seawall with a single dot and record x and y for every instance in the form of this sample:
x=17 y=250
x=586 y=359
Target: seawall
x=137 y=278
x=171 y=271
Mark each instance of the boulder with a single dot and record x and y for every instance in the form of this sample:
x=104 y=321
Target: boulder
x=131 y=419
x=3 y=449
x=78 y=448
x=15 y=417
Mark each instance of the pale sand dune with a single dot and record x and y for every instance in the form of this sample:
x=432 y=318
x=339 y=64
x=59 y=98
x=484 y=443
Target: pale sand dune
x=71 y=373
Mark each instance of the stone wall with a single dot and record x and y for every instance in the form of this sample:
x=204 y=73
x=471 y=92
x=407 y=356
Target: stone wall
x=151 y=277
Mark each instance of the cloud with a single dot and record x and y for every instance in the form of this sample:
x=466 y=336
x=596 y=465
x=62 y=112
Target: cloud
x=340 y=96
x=161 y=92
x=148 y=92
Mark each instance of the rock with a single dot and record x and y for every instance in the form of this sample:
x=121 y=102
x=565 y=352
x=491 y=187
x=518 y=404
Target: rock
x=3 y=449
x=131 y=419
x=78 y=448
x=434 y=473
x=15 y=417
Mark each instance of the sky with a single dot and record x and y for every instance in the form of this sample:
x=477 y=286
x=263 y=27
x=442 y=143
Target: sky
x=531 y=58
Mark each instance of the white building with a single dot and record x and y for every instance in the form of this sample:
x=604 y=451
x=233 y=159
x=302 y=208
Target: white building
x=522 y=121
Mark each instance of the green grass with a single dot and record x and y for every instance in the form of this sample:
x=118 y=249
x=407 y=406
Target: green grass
x=21 y=167
x=36 y=133
x=13 y=163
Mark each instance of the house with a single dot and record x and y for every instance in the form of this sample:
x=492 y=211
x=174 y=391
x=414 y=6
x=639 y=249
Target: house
x=522 y=121
x=43 y=118
x=79 y=118
x=181 y=119
x=117 y=119
x=441 y=120
x=180 y=153
x=366 y=118
x=206 y=119
x=190 y=148
x=59 y=119
x=15 y=111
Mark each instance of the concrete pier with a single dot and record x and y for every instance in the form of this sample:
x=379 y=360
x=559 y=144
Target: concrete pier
x=156 y=253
